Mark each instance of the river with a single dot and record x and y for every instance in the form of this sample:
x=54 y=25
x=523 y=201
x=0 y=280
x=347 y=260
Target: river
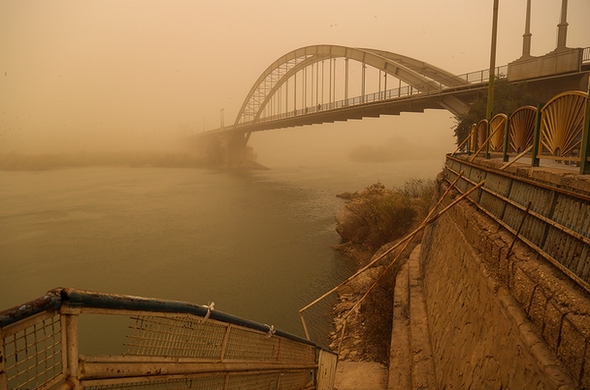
x=257 y=243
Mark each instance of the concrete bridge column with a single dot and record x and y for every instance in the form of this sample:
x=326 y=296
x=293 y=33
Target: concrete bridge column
x=226 y=149
x=237 y=152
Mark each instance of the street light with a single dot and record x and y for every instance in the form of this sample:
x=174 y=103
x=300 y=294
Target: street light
x=490 y=105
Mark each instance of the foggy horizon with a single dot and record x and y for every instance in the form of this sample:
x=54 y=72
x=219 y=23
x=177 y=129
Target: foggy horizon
x=143 y=75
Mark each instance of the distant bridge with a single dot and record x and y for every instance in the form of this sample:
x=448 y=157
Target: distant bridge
x=329 y=83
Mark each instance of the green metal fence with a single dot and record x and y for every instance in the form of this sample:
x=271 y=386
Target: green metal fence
x=555 y=221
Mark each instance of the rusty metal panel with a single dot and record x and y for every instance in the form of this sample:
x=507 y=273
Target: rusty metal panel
x=326 y=370
x=33 y=353
x=203 y=382
x=291 y=352
x=541 y=198
x=297 y=380
x=463 y=185
x=573 y=213
x=452 y=172
x=568 y=250
x=499 y=184
x=584 y=265
x=166 y=349
x=181 y=336
x=279 y=380
x=248 y=381
x=492 y=203
x=557 y=225
x=475 y=175
x=533 y=229
x=456 y=165
x=246 y=344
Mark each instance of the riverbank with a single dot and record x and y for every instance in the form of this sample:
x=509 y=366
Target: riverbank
x=365 y=334
x=371 y=223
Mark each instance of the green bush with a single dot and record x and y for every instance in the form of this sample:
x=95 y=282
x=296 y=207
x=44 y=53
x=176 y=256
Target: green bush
x=421 y=191
x=383 y=215
x=507 y=98
x=386 y=215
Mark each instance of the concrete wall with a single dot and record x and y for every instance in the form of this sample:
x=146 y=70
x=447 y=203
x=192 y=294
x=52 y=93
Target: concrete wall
x=556 y=62
x=498 y=322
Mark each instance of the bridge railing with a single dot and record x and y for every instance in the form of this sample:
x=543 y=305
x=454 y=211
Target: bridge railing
x=472 y=78
x=69 y=339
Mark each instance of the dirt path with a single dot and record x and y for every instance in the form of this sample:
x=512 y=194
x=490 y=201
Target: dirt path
x=360 y=376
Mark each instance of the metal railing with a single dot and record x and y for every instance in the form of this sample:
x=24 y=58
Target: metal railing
x=558 y=131
x=171 y=345
x=471 y=79
x=554 y=222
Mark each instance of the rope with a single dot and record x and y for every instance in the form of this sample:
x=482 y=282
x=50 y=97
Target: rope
x=271 y=331
x=210 y=308
x=430 y=218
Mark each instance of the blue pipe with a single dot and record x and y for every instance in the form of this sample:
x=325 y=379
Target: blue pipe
x=54 y=299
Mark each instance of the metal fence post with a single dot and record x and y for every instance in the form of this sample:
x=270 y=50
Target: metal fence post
x=3 y=376
x=585 y=150
x=537 y=138
x=474 y=138
x=506 y=139
x=70 y=346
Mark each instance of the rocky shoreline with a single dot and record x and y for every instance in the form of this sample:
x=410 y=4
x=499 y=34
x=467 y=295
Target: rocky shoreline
x=364 y=335
x=367 y=331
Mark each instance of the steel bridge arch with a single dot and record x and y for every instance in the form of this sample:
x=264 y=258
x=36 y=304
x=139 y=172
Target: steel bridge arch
x=418 y=74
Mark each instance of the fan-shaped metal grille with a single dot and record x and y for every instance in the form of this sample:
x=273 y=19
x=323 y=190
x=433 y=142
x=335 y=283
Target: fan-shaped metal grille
x=482 y=129
x=522 y=129
x=562 y=121
x=497 y=130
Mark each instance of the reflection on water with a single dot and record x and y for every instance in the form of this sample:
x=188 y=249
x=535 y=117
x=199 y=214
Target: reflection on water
x=258 y=244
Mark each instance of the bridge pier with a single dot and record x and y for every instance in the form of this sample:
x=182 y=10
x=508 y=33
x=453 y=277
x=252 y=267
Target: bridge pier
x=227 y=149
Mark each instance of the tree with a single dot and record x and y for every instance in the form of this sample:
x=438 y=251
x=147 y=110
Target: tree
x=507 y=98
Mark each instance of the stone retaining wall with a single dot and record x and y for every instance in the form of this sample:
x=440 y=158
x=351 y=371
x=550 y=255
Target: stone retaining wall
x=498 y=322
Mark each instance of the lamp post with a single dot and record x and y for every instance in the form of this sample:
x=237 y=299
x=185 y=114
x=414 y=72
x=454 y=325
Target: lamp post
x=490 y=105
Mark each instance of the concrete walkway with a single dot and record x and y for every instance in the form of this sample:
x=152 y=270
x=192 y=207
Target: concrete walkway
x=411 y=362
x=360 y=376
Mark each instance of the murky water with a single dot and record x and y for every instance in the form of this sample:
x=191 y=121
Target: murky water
x=258 y=244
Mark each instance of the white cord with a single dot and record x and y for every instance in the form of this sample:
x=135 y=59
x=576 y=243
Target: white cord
x=210 y=308
x=271 y=330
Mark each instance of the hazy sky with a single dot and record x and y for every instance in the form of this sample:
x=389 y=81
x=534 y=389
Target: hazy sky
x=128 y=74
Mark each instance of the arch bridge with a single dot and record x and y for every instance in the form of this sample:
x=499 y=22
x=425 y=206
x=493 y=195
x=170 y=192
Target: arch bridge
x=328 y=83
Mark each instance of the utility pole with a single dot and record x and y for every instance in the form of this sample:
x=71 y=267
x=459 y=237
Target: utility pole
x=490 y=105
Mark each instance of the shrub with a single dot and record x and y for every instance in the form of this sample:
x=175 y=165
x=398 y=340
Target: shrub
x=421 y=191
x=378 y=216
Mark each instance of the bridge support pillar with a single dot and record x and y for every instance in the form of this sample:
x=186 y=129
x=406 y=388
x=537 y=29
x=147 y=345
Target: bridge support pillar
x=229 y=150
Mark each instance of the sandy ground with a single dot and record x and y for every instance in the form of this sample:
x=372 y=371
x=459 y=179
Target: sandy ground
x=360 y=376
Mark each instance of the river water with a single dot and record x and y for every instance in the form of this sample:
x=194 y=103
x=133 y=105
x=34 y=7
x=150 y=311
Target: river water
x=257 y=243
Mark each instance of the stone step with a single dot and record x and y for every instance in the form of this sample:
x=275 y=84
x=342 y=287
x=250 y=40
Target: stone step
x=411 y=364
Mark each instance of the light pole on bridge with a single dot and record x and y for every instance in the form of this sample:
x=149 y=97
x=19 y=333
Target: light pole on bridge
x=490 y=105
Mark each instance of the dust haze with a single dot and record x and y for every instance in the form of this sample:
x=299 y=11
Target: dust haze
x=145 y=76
